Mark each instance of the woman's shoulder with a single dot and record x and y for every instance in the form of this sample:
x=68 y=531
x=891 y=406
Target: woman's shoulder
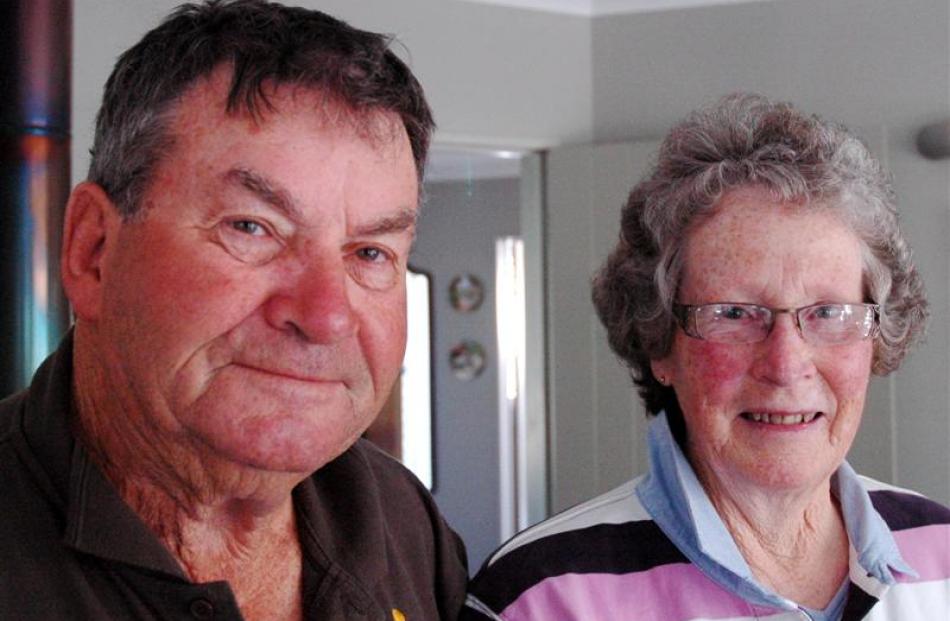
x=609 y=535
x=618 y=506
x=903 y=508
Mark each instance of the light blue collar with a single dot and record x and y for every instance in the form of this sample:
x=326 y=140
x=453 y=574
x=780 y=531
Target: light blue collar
x=673 y=496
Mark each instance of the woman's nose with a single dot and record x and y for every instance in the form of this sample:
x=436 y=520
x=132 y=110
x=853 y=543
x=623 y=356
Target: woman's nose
x=784 y=356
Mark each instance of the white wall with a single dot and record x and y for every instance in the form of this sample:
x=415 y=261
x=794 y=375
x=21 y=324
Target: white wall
x=494 y=76
x=862 y=62
x=597 y=422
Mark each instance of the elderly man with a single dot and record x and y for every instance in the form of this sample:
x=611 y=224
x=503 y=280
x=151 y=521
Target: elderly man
x=236 y=265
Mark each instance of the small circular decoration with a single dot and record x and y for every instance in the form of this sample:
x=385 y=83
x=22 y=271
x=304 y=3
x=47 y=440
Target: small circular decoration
x=467 y=360
x=466 y=293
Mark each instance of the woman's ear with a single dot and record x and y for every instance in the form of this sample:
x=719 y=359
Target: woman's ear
x=662 y=371
x=91 y=221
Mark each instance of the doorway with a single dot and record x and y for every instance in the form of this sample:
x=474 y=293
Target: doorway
x=479 y=245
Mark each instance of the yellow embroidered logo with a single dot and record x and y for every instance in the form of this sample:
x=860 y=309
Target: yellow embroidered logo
x=398 y=616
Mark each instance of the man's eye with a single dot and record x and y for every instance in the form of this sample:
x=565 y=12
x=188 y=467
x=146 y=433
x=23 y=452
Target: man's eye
x=248 y=226
x=371 y=254
x=373 y=267
x=249 y=241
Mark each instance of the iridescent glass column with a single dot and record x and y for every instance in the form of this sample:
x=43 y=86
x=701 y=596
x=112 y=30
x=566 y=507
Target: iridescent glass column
x=35 y=52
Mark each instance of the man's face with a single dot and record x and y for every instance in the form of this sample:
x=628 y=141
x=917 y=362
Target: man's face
x=257 y=311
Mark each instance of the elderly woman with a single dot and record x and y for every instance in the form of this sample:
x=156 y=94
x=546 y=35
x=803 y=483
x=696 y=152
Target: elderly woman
x=759 y=280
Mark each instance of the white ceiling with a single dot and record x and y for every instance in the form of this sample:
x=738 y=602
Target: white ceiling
x=594 y=8
x=464 y=164
x=448 y=163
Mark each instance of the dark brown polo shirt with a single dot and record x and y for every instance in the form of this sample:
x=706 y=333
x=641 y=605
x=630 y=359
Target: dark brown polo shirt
x=70 y=548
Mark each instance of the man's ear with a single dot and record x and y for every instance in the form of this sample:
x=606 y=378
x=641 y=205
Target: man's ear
x=91 y=221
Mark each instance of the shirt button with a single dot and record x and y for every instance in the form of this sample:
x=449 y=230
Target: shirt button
x=201 y=609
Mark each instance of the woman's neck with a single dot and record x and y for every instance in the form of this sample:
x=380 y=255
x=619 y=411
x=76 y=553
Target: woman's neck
x=795 y=543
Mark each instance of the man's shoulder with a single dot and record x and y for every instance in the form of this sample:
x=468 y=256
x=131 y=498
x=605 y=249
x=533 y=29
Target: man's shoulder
x=10 y=409
x=384 y=463
x=373 y=467
x=13 y=469
x=366 y=483
x=374 y=518
x=30 y=525
x=34 y=451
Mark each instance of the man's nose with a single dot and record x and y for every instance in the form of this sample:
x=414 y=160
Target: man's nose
x=315 y=304
x=784 y=356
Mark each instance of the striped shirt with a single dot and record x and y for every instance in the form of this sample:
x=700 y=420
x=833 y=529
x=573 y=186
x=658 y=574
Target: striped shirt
x=654 y=549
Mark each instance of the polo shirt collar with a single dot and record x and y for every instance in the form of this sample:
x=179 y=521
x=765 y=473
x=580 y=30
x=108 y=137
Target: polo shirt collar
x=97 y=521
x=674 y=497
x=100 y=523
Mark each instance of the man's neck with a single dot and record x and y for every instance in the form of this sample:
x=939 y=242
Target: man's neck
x=215 y=517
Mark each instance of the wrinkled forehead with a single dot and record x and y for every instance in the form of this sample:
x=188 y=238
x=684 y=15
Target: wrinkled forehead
x=752 y=227
x=211 y=101
x=751 y=210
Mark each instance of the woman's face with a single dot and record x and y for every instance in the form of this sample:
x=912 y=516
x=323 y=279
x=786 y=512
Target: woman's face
x=758 y=251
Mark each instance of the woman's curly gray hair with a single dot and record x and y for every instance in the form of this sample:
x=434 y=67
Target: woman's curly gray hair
x=747 y=140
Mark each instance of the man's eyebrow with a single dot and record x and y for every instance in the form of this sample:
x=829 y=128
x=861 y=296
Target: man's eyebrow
x=279 y=198
x=266 y=190
x=403 y=220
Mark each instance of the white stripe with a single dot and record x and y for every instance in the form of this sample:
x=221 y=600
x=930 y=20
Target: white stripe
x=925 y=601
x=477 y=605
x=859 y=576
x=788 y=615
x=617 y=506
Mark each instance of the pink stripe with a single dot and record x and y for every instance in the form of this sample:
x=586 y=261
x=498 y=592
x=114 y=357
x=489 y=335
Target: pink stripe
x=927 y=550
x=666 y=593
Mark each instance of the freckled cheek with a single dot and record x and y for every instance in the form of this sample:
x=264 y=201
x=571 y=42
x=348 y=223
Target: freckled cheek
x=713 y=365
x=847 y=373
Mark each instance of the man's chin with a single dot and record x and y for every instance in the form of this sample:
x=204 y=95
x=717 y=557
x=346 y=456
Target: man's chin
x=280 y=444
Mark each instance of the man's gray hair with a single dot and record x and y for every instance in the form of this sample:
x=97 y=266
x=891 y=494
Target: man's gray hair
x=264 y=45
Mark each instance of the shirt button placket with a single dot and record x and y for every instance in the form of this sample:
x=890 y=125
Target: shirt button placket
x=201 y=608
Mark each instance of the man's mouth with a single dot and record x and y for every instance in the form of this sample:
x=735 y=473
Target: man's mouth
x=800 y=418
x=284 y=373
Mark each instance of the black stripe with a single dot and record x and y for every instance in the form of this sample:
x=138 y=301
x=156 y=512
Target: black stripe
x=902 y=511
x=603 y=548
x=858 y=605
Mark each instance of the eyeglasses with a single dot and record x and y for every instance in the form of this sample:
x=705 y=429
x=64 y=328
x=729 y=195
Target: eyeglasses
x=821 y=324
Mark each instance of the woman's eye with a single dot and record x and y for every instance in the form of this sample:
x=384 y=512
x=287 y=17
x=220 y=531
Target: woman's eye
x=829 y=311
x=733 y=312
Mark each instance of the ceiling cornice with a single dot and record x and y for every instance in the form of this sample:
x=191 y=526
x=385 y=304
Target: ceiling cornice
x=596 y=8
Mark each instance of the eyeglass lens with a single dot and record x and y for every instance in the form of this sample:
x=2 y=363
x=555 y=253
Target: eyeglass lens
x=746 y=323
